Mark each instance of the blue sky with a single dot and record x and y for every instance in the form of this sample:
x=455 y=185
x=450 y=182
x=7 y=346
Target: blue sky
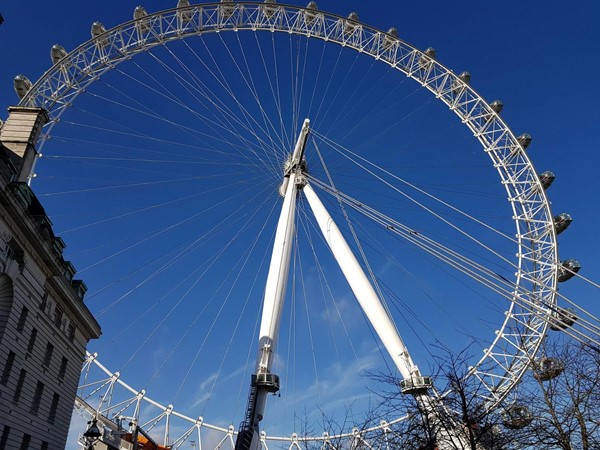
x=537 y=57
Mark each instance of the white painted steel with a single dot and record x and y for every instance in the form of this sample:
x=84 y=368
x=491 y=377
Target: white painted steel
x=534 y=297
x=276 y=284
x=361 y=286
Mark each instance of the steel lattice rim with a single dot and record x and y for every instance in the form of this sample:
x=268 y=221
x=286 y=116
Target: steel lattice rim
x=60 y=86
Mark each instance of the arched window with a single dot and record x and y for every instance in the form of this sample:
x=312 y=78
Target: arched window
x=6 y=301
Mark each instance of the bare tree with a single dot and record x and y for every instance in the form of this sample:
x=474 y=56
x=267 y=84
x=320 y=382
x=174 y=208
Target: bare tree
x=563 y=394
x=458 y=411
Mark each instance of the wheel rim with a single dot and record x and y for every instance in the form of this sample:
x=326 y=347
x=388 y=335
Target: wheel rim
x=508 y=356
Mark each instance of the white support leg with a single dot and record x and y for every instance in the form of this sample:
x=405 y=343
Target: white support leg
x=449 y=439
x=263 y=381
x=361 y=286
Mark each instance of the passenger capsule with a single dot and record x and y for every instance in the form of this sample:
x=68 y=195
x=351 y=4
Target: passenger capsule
x=465 y=77
x=184 y=16
x=567 y=269
x=227 y=11
x=22 y=85
x=497 y=106
x=350 y=25
x=524 y=140
x=426 y=58
x=546 y=178
x=143 y=25
x=457 y=85
x=389 y=38
x=430 y=51
x=562 y=319
x=57 y=52
x=309 y=16
x=97 y=29
x=268 y=11
x=139 y=12
x=517 y=416
x=547 y=369
x=562 y=222
x=416 y=384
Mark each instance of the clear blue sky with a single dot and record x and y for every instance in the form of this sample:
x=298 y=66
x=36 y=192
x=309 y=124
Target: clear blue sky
x=539 y=58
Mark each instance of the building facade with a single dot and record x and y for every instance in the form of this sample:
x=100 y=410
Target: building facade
x=44 y=324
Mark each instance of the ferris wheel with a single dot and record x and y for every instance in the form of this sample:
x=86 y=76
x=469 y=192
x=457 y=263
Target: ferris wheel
x=241 y=154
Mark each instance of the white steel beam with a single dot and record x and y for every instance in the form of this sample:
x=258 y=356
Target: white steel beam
x=362 y=288
x=276 y=284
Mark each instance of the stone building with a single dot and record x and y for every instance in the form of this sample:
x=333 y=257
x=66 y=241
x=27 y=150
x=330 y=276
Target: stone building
x=44 y=324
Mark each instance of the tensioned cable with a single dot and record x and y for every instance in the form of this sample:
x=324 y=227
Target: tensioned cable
x=316 y=83
x=103 y=147
x=151 y=207
x=298 y=263
x=493 y=274
x=282 y=133
x=164 y=230
x=293 y=80
x=325 y=94
x=249 y=117
x=222 y=108
x=303 y=77
x=278 y=84
x=192 y=132
x=337 y=148
x=488 y=278
x=375 y=340
x=205 y=268
x=224 y=84
x=178 y=255
x=218 y=228
x=143 y=183
x=204 y=91
x=233 y=284
x=353 y=100
x=326 y=289
x=252 y=343
x=340 y=86
x=407 y=232
x=268 y=124
x=252 y=88
x=356 y=240
x=156 y=115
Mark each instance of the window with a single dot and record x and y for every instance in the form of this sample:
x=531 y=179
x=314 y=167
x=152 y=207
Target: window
x=53 y=407
x=7 y=368
x=15 y=252
x=37 y=398
x=19 y=388
x=32 y=339
x=4 y=438
x=71 y=332
x=48 y=354
x=22 y=319
x=25 y=442
x=58 y=315
x=44 y=302
x=63 y=368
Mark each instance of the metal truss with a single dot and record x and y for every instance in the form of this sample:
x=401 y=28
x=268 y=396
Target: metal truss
x=534 y=291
